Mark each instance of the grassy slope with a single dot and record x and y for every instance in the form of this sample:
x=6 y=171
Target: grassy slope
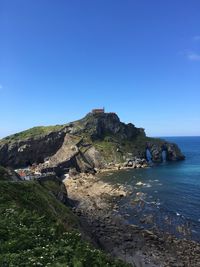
x=33 y=132
x=37 y=230
x=4 y=176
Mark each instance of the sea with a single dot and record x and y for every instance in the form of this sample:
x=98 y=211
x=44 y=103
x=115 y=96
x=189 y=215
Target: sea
x=166 y=196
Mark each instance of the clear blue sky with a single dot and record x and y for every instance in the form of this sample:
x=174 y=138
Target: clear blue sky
x=138 y=58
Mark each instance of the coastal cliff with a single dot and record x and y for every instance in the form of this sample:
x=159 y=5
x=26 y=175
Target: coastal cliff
x=94 y=142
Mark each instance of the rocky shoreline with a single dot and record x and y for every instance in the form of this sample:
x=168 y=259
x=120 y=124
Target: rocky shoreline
x=95 y=202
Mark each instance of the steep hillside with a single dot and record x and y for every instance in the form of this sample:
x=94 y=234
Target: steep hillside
x=92 y=142
x=38 y=230
x=8 y=175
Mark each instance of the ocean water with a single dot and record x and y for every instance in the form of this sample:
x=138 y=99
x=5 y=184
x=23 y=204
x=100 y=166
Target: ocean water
x=166 y=196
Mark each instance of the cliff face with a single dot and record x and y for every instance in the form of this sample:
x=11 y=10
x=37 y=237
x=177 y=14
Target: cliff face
x=92 y=142
x=23 y=152
x=98 y=126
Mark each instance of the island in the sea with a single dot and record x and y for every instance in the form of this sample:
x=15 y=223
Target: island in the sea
x=97 y=142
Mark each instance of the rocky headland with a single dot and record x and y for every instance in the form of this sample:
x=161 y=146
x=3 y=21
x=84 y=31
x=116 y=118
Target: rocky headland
x=98 y=141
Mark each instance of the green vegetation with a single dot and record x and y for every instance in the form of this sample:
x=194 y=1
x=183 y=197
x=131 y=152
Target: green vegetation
x=33 y=132
x=113 y=147
x=108 y=149
x=4 y=175
x=37 y=230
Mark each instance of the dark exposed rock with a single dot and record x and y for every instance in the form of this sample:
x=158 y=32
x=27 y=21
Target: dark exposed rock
x=100 y=125
x=172 y=150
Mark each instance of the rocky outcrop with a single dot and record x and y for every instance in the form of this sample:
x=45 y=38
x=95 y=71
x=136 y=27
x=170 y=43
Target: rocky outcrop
x=92 y=142
x=97 y=126
x=173 y=152
x=27 y=151
x=70 y=155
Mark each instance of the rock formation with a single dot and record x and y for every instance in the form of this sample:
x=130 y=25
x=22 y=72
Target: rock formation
x=93 y=142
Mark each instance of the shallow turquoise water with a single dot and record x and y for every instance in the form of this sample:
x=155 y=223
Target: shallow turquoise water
x=168 y=194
